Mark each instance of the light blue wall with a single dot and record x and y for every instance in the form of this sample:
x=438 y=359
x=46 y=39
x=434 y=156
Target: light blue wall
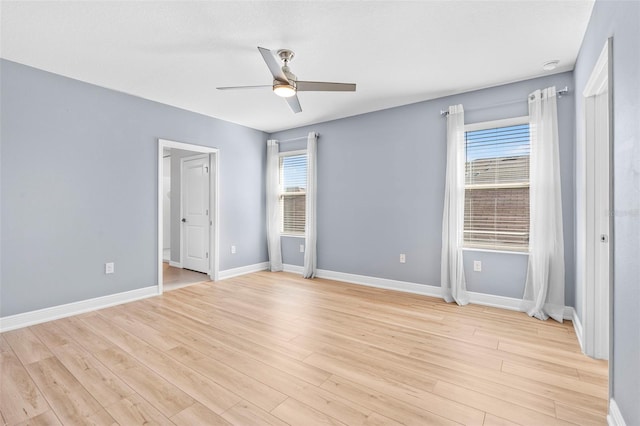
x=621 y=20
x=381 y=190
x=79 y=188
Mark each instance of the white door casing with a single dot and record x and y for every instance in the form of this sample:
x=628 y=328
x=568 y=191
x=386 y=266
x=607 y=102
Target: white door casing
x=214 y=243
x=598 y=235
x=603 y=225
x=194 y=209
x=166 y=205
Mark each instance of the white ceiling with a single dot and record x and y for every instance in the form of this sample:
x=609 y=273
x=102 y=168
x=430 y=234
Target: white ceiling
x=177 y=53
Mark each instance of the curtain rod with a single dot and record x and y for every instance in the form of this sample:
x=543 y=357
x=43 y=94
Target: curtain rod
x=298 y=138
x=444 y=112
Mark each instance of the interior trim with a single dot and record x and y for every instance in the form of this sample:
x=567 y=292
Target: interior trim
x=26 y=319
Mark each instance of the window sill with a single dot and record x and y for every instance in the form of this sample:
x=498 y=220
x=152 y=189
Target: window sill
x=293 y=235
x=526 y=253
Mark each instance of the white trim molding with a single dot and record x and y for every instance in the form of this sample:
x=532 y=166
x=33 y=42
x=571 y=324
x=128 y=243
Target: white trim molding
x=26 y=319
x=483 y=299
x=294 y=269
x=494 y=301
x=175 y=264
x=243 y=270
x=577 y=327
x=407 y=287
x=614 y=418
x=49 y=314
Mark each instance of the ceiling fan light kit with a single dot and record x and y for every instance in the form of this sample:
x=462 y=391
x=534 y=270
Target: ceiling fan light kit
x=287 y=85
x=284 y=90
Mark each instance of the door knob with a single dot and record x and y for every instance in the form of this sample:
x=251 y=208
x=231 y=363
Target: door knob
x=184 y=219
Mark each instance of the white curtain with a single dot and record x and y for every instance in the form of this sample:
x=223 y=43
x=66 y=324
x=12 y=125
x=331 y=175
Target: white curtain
x=544 y=288
x=310 y=234
x=273 y=206
x=452 y=268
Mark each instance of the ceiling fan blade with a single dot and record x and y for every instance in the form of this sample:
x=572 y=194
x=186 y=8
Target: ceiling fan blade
x=321 y=86
x=294 y=103
x=273 y=64
x=244 y=87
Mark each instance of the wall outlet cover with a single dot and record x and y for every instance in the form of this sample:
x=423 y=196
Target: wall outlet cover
x=477 y=266
x=403 y=258
x=109 y=268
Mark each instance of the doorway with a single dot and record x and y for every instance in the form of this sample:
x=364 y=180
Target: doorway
x=598 y=241
x=199 y=239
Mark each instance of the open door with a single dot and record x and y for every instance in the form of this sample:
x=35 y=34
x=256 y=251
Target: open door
x=194 y=209
x=597 y=102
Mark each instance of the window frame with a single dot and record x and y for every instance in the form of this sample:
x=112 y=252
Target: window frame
x=281 y=192
x=485 y=125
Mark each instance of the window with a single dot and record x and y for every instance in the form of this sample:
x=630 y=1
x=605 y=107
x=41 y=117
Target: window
x=293 y=186
x=496 y=206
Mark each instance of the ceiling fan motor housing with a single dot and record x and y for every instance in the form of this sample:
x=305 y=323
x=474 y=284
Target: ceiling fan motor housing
x=286 y=55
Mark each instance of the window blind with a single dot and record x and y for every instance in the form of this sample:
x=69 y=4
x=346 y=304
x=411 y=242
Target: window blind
x=497 y=188
x=293 y=186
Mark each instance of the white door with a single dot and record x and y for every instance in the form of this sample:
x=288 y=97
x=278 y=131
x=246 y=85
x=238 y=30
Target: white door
x=195 y=213
x=598 y=234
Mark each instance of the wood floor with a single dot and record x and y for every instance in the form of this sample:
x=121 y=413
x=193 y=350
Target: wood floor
x=175 y=278
x=274 y=349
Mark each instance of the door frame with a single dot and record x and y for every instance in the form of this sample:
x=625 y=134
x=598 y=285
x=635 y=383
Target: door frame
x=214 y=229
x=182 y=192
x=594 y=343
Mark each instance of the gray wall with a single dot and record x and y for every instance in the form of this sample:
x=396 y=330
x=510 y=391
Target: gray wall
x=381 y=190
x=79 y=188
x=620 y=19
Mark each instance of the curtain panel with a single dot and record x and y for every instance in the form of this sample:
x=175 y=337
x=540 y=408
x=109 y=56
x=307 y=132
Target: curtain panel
x=544 y=288
x=273 y=206
x=452 y=268
x=310 y=228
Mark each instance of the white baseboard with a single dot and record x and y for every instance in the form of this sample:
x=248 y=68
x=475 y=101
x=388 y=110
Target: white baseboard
x=614 y=418
x=26 y=319
x=577 y=327
x=234 y=272
x=294 y=269
x=175 y=264
x=483 y=299
x=407 y=287
x=494 y=301
x=56 y=312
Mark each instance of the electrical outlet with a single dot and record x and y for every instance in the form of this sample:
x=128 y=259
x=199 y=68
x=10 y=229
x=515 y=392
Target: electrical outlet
x=477 y=266
x=233 y=249
x=301 y=248
x=403 y=258
x=109 y=268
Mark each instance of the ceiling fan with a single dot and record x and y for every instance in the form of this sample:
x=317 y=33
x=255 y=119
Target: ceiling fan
x=286 y=84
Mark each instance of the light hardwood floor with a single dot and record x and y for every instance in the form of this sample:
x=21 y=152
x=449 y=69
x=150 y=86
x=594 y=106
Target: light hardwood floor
x=175 y=278
x=274 y=349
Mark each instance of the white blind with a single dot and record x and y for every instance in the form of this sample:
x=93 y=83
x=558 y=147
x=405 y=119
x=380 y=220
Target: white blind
x=497 y=188
x=293 y=186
